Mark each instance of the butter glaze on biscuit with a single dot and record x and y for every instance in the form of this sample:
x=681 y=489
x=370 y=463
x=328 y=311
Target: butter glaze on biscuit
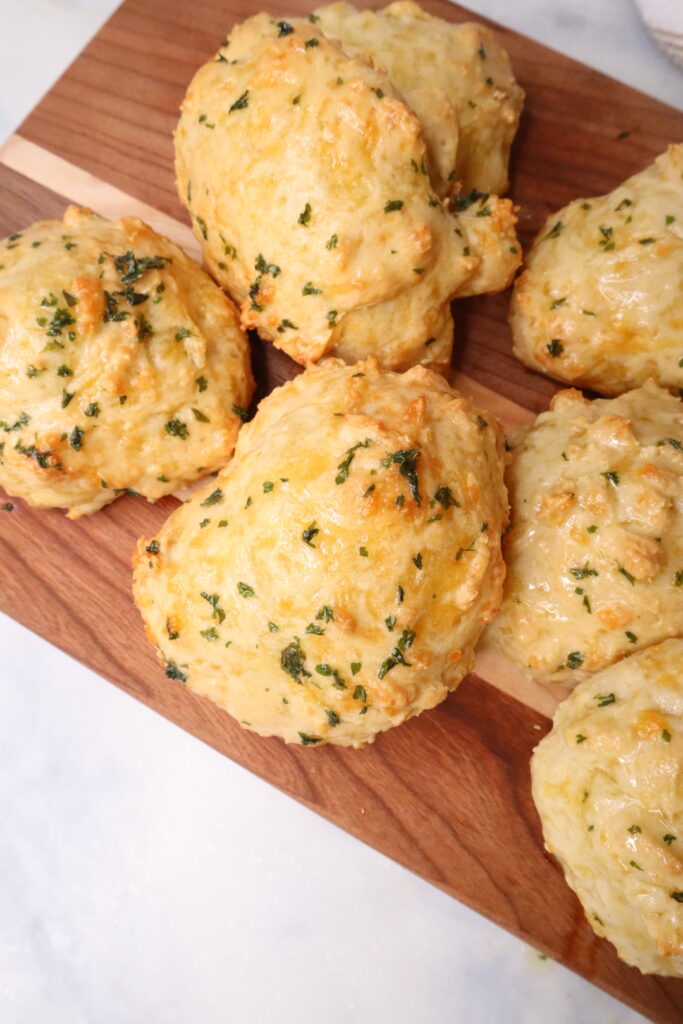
x=305 y=175
x=333 y=580
x=122 y=364
x=606 y=782
x=594 y=554
x=600 y=303
x=456 y=78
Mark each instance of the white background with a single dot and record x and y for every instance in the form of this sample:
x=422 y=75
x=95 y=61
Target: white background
x=145 y=878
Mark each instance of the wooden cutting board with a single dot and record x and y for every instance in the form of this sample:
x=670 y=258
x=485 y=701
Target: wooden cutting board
x=448 y=794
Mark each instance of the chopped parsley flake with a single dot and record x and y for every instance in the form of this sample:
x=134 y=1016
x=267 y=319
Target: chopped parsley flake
x=130 y=267
x=309 y=533
x=574 y=659
x=406 y=459
x=603 y=699
x=245 y=590
x=240 y=103
x=555 y=348
x=392 y=205
x=213 y=498
x=217 y=612
x=176 y=428
x=76 y=439
x=327 y=670
x=293 y=661
x=266 y=268
x=174 y=672
x=305 y=216
x=241 y=413
x=580 y=573
x=309 y=741
x=345 y=464
x=397 y=655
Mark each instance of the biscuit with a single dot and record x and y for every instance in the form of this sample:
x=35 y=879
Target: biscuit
x=333 y=580
x=305 y=176
x=124 y=366
x=456 y=78
x=595 y=550
x=606 y=782
x=600 y=303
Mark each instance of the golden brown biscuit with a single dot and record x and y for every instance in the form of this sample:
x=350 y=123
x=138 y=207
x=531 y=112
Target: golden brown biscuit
x=600 y=303
x=595 y=550
x=456 y=78
x=606 y=782
x=123 y=365
x=305 y=176
x=333 y=580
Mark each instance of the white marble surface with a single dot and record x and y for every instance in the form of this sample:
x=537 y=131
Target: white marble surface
x=145 y=878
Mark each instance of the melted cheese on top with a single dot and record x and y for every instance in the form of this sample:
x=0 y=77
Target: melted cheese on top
x=333 y=580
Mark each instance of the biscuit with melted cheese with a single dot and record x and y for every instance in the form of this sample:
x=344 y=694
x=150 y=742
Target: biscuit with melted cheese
x=305 y=176
x=333 y=580
x=600 y=303
x=594 y=554
x=122 y=364
x=606 y=782
x=456 y=78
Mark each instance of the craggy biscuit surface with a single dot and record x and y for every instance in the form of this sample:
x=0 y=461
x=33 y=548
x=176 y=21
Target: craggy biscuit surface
x=594 y=554
x=600 y=302
x=333 y=580
x=122 y=364
x=606 y=782
x=305 y=176
x=457 y=79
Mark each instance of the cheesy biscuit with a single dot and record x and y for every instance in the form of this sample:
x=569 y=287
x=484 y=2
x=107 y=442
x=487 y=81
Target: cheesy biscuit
x=456 y=78
x=595 y=550
x=333 y=580
x=305 y=175
x=123 y=365
x=606 y=782
x=600 y=303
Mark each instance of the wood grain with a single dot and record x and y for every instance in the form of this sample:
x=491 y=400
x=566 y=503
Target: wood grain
x=447 y=795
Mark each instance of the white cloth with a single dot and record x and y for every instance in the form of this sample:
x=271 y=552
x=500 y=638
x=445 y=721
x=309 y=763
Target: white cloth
x=664 y=19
